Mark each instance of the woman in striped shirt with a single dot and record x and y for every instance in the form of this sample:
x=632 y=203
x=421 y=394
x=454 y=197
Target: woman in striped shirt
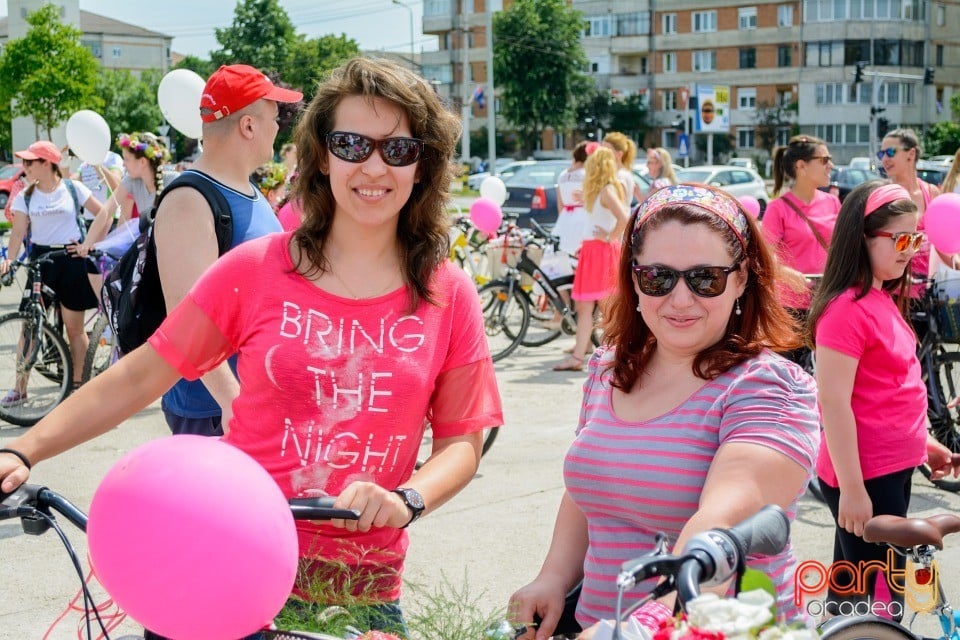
x=689 y=420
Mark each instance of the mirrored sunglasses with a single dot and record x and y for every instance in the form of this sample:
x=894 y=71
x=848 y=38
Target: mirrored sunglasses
x=903 y=240
x=706 y=282
x=889 y=152
x=353 y=147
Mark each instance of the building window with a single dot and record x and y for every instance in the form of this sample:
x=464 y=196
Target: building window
x=745 y=138
x=704 y=60
x=784 y=97
x=830 y=93
x=825 y=54
x=941 y=15
x=433 y=8
x=747 y=18
x=669 y=139
x=747 y=98
x=600 y=64
x=704 y=21
x=939 y=55
x=441 y=72
x=670 y=101
x=748 y=58
x=670 y=63
x=785 y=56
x=633 y=24
x=117 y=52
x=830 y=133
x=597 y=27
x=669 y=23
x=644 y=66
x=93 y=47
x=785 y=15
x=783 y=136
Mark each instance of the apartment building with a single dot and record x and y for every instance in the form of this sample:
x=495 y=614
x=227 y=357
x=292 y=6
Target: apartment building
x=792 y=61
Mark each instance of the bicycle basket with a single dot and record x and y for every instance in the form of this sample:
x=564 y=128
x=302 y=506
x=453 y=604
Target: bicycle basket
x=503 y=253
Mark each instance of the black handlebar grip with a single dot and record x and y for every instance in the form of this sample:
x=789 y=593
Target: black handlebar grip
x=764 y=533
x=7 y=278
x=320 y=509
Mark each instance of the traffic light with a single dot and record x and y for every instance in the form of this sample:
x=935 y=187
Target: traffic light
x=883 y=126
x=858 y=78
x=928 y=76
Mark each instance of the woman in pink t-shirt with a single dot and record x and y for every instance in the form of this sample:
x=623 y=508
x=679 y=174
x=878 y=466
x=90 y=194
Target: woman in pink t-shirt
x=873 y=400
x=352 y=332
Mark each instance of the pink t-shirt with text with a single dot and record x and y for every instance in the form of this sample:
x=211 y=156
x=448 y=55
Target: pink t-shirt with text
x=335 y=390
x=889 y=399
x=289 y=215
x=797 y=247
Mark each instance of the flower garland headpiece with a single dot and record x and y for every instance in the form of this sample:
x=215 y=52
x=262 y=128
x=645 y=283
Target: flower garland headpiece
x=149 y=147
x=270 y=176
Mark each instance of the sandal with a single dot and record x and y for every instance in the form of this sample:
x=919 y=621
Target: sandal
x=572 y=363
x=590 y=349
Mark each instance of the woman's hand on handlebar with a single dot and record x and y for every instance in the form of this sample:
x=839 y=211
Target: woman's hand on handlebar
x=378 y=507
x=543 y=598
x=4 y=266
x=79 y=250
x=13 y=472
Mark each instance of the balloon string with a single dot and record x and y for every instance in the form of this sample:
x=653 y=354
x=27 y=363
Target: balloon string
x=110 y=613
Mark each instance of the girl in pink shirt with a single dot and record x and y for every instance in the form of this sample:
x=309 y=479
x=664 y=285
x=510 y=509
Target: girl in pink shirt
x=873 y=400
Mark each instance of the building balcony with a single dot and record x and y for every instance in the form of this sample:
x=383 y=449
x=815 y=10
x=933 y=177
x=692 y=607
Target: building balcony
x=437 y=25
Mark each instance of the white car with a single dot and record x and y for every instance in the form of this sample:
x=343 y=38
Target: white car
x=508 y=169
x=736 y=181
x=746 y=163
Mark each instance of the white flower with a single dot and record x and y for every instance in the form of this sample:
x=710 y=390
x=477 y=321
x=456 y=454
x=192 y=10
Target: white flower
x=734 y=618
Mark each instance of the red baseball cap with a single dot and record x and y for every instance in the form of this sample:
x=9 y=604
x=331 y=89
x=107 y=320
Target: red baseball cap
x=233 y=87
x=42 y=150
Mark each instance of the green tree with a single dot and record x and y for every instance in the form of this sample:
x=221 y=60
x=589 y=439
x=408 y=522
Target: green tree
x=47 y=73
x=203 y=68
x=630 y=116
x=310 y=59
x=941 y=138
x=538 y=64
x=261 y=35
x=769 y=119
x=131 y=102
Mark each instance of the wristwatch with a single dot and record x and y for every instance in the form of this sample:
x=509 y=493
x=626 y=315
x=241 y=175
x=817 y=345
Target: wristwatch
x=414 y=502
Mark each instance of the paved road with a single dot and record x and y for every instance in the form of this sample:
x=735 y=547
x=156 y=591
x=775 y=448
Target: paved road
x=492 y=537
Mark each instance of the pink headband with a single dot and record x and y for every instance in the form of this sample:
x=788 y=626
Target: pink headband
x=716 y=202
x=884 y=195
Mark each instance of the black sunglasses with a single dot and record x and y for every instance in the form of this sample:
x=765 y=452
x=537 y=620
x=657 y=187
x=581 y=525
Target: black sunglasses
x=706 y=282
x=353 y=147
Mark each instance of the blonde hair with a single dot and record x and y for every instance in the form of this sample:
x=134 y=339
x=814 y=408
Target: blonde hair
x=600 y=170
x=666 y=165
x=623 y=144
x=950 y=182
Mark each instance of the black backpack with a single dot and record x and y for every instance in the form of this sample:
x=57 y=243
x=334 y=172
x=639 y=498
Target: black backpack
x=132 y=295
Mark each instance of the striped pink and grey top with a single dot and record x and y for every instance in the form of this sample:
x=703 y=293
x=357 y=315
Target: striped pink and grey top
x=635 y=479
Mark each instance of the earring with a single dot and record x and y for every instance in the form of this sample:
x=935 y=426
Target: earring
x=736 y=309
x=638 y=306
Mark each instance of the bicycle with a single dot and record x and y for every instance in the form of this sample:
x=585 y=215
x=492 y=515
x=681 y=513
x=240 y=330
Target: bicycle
x=917 y=539
x=35 y=505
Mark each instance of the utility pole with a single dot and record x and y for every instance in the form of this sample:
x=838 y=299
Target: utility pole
x=491 y=99
x=465 y=109
x=878 y=78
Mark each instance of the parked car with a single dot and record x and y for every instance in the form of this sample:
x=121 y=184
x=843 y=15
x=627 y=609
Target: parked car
x=944 y=160
x=8 y=175
x=846 y=178
x=746 y=163
x=504 y=171
x=736 y=181
x=640 y=166
x=861 y=162
x=932 y=172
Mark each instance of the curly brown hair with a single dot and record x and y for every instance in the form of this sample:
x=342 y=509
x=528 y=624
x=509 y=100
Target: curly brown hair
x=763 y=323
x=422 y=228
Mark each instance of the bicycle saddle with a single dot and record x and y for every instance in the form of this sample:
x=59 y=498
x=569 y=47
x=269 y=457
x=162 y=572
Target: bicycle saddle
x=911 y=532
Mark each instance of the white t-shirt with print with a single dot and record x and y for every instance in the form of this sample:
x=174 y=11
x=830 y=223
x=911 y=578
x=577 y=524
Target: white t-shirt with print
x=53 y=218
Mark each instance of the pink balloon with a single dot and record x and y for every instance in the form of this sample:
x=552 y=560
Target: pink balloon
x=941 y=222
x=751 y=204
x=194 y=539
x=485 y=214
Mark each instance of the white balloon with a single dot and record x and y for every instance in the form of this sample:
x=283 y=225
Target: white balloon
x=88 y=135
x=493 y=188
x=179 y=99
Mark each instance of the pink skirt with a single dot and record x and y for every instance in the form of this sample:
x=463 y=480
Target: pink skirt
x=596 y=274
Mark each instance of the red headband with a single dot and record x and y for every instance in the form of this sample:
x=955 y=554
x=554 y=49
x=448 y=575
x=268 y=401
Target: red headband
x=884 y=195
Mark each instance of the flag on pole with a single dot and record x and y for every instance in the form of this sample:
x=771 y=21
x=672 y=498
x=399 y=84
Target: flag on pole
x=478 y=96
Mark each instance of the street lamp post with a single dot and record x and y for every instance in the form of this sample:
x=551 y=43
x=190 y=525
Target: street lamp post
x=408 y=8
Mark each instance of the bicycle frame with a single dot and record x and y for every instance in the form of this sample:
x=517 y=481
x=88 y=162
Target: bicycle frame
x=528 y=267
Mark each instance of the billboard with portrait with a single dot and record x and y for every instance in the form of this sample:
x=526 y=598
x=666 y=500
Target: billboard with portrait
x=713 y=113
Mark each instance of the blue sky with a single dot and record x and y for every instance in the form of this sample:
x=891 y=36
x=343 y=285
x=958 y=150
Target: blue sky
x=374 y=24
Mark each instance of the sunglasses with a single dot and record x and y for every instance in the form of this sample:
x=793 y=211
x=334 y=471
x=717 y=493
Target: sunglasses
x=706 y=282
x=903 y=240
x=353 y=147
x=888 y=152
x=822 y=159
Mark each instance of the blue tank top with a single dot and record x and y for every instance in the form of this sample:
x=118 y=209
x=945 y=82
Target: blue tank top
x=253 y=217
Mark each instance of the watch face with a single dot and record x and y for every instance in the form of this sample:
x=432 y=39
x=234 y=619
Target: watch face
x=413 y=497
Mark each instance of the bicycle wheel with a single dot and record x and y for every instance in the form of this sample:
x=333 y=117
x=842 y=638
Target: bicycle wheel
x=546 y=320
x=944 y=425
x=506 y=316
x=426 y=444
x=102 y=350
x=24 y=354
x=863 y=628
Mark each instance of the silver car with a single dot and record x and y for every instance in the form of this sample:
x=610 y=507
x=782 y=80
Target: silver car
x=737 y=181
